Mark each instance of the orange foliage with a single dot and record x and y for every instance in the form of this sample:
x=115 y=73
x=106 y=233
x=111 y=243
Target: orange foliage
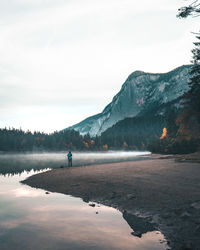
x=164 y=134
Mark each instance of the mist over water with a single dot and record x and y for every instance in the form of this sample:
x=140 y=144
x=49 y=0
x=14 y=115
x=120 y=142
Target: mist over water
x=17 y=163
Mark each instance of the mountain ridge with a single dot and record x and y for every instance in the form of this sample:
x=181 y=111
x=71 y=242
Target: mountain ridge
x=141 y=93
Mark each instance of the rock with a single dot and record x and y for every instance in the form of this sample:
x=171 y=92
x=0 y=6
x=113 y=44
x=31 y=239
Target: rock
x=137 y=234
x=162 y=241
x=92 y=205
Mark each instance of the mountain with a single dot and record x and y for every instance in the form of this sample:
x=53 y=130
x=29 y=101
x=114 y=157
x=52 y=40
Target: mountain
x=142 y=93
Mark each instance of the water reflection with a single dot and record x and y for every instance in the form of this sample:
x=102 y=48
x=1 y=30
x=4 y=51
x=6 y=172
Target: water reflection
x=31 y=219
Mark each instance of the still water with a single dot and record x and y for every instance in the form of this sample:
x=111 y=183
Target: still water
x=31 y=219
x=17 y=163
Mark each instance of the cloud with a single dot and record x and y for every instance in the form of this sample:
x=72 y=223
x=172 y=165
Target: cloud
x=67 y=54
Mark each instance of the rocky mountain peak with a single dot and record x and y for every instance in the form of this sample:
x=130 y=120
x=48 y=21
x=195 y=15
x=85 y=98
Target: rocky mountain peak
x=141 y=93
x=136 y=73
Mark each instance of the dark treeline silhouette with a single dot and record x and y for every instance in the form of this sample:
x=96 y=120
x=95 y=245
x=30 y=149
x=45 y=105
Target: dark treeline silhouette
x=135 y=133
x=17 y=140
x=129 y=134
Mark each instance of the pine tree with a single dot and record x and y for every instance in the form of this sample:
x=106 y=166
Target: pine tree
x=193 y=95
x=192 y=9
x=191 y=99
x=189 y=120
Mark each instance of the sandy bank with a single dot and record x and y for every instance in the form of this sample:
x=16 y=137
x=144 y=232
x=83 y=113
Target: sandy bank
x=166 y=191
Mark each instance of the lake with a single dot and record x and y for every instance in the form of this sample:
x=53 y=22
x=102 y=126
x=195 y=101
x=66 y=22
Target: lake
x=32 y=219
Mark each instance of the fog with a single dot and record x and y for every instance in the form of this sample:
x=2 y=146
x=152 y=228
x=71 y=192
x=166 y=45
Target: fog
x=17 y=163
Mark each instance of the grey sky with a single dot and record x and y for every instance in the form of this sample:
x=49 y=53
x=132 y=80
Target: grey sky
x=63 y=60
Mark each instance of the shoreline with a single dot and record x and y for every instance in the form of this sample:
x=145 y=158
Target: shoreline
x=163 y=189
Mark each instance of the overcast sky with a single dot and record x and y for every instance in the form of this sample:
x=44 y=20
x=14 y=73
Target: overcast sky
x=64 y=60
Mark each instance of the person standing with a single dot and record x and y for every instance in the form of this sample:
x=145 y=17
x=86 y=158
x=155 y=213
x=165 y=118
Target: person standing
x=69 y=155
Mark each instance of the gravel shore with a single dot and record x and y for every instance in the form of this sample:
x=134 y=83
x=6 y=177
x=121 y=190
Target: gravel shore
x=165 y=191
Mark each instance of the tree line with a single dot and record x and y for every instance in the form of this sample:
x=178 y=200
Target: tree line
x=17 y=140
x=135 y=133
x=130 y=134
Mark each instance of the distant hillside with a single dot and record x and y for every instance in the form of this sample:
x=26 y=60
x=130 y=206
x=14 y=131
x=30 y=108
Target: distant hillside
x=134 y=133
